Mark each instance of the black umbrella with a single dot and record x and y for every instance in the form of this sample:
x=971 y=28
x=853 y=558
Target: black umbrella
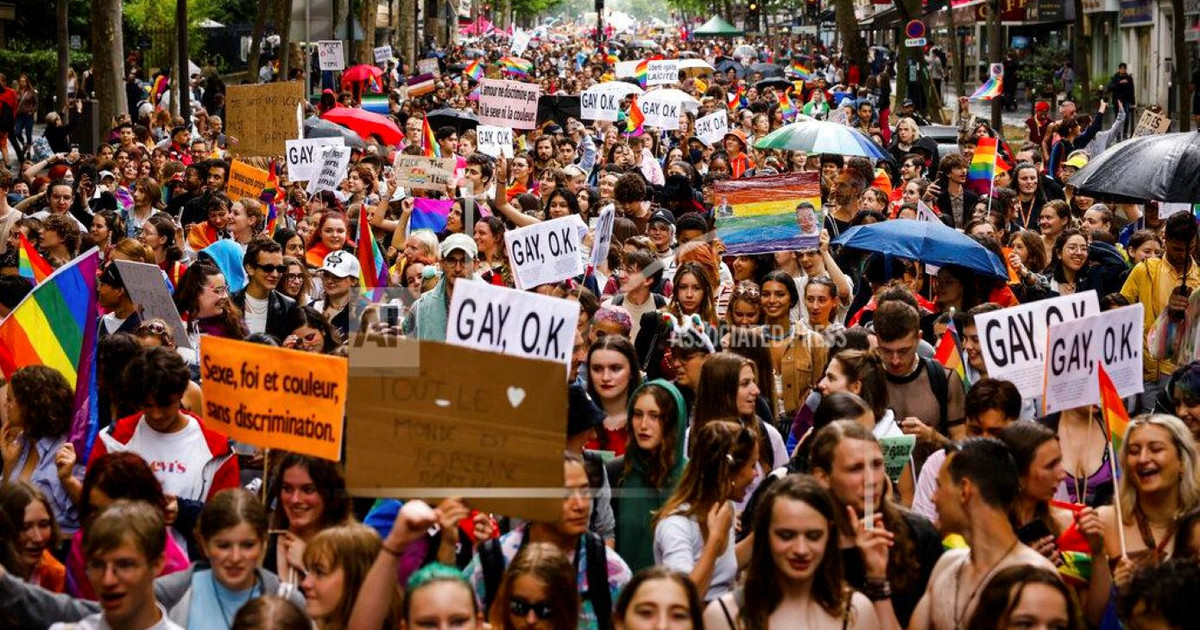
x=558 y=108
x=448 y=116
x=775 y=82
x=1159 y=168
x=724 y=64
x=767 y=69
x=319 y=128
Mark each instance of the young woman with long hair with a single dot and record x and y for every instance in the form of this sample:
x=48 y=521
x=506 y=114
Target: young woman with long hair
x=728 y=390
x=330 y=235
x=27 y=515
x=493 y=264
x=1026 y=597
x=537 y=592
x=310 y=496
x=658 y=598
x=159 y=234
x=693 y=296
x=798 y=353
x=202 y=298
x=612 y=377
x=108 y=227
x=338 y=560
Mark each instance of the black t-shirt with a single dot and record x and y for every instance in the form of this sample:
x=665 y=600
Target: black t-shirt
x=927 y=545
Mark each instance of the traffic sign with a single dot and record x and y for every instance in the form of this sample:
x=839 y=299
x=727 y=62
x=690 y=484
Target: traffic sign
x=916 y=42
x=915 y=29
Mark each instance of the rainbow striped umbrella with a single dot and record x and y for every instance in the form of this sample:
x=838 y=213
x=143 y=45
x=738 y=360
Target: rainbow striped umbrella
x=819 y=136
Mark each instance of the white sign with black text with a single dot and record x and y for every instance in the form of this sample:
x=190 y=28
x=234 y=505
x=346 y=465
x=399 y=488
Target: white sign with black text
x=712 y=128
x=662 y=72
x=383 y=54
x=661 y=114
x=331 y=55
x=519 y=323
x=1075 y=349
x=602 y=239
x=600 y=104
x=545 y=252
x=304 y=156
x=508 y=103
x=334 y=162
x=495 y=141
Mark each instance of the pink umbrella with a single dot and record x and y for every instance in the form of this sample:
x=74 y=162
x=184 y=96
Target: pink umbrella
x=362 y=73
x=366 y=124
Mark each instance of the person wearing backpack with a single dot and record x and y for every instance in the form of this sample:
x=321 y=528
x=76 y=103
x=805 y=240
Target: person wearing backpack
x=8 y=115
x=571 y=535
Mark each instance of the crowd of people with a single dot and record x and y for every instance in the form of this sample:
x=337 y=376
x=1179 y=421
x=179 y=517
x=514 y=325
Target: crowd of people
x=722 y=462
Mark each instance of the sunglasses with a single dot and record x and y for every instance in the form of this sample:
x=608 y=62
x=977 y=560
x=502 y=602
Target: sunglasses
x=521 y=608
x=156 y=328
x=272 y=268
x=748 y=291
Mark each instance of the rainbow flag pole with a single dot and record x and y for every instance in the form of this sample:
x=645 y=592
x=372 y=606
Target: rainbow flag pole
x=1116 y=420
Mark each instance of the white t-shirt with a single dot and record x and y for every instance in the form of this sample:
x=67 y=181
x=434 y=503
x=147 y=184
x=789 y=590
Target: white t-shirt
x=678 y=544
x=111 y=323
x=177 y=459
x=636 y=311
x=256 y=314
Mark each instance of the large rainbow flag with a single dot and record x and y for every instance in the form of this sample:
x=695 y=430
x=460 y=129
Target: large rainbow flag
x=989 y=90
x=474 y=70
x=372 y=272
x=516 y=66
x=982 y=172
x=798 y=69
x=762 y=215
x=30 y=263
x=56 y=326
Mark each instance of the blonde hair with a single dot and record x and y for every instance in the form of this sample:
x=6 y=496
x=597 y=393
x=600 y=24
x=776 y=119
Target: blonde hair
x=1181 y=437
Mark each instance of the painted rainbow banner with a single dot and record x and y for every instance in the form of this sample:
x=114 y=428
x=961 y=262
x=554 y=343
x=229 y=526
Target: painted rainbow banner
x=762 y=215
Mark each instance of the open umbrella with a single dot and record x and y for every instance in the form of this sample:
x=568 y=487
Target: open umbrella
x=620 y=88
x=745 y=50
x=558 y=108
x=767 y=69
x=316 y=128
x=695 y=67
x=366 y=124
x=819 y=136
x=927 y=241
x=775 y=82
x=725 y=64
x=1160 y=168
x=448 y=116
x=362 y=73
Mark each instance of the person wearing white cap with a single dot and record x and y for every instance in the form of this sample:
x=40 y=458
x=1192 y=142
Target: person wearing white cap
x=427 y=318
x=339 y=275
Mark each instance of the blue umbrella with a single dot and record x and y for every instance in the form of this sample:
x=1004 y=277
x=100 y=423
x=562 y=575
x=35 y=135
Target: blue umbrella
x=926 y=241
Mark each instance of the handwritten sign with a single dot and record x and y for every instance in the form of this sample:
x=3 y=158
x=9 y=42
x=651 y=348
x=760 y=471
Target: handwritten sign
x=1152 y=124
x=602 y=240
x=245 y=181
x=499 y=319
x=423 y=173
x=662 y=72
x=335 y=162
x=1013 y=339
x=599 y=103
x=508 y=103
x=383 y=54
x=712 y=128
x=896 y=453
x=331 y=56
x=146 y=288
x=262 y=117
x=439 y=430
x=429 y=66
x=304 y=156
x=1076 y=347
x=544 y=252
x=274 y=397
x=495 y=141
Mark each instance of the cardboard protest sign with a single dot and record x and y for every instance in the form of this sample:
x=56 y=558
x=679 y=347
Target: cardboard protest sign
x=274 y=397
x=331 y=56
x=712 y=128
x=1013 y=340
x=429 y=66
x=262 y=117
x=440 y=430
x=662 y=72
x=1076 y=347
x=304 y=157
x=897 y=451
x=602 y=239
x=508 y=103
x=146 y=288
x=495 y=141
x=769 y=214
x=423 y=173
x=544 y=252
x=499 y=319
x=660 y=113
x=383 y=54
x=1152 y=124
x=600 y=103
x=334 y=163
x=245 y=181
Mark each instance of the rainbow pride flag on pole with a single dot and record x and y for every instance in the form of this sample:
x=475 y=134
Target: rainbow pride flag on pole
x=56 y=326
x=30 y=263
x=737 y=98
x=634 y=119
x=981 y=175
x=474 y=70
x=949 y=354
x=798 y=69
x=1113 y=408
x=786 y=107
x=989 y=90
x=429 y=141
x=272 y=196
x=516 y=66
x=372 y=272
x=640 y=71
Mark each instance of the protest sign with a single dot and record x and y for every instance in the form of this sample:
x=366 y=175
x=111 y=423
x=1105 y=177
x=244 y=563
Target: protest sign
x=383 y=54
x=897 y=451
x=331 y=56
x=520 y=41
x=429 y=66
x=600 y=103
x=304 y=156
x=146 y=288
x=544 y=252
x=1076 y=347
x=498 y=319
x=712 y=128
x=334 y=163
x=625 y=69
x=769 y=214
x=660 y=113
x=602 y=240
x=440 y=430
x=495 y=141
x=1152 y=124
x=1013 y=340
x=1166 y=209
x=274 y=397
x=423 y=173
x=508 y=103
x=245 y=181
x=261 y=118
x=662 y=72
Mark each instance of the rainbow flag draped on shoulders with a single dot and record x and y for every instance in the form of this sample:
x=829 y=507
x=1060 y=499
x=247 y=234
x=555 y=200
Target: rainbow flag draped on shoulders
x=372 y=272
x=30 y=263
x=949 y=354
x=56 y=325
x=1113 y=408
x=989 y=90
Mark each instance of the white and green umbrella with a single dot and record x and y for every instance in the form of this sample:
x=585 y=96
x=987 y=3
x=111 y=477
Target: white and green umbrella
x=820 y=136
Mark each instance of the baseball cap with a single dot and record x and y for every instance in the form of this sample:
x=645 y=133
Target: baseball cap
x=104 y=174
x=1079 y=160
x=342 y=264
x=662 y=214
x=460 y=241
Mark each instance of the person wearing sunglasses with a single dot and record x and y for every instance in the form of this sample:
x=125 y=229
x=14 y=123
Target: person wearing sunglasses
x=265 y=308
x=538 y=591
x=427 y=318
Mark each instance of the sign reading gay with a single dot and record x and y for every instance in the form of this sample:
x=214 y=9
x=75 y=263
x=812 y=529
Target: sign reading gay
x=1077 y=346
x=545 y=252
x=487 y=317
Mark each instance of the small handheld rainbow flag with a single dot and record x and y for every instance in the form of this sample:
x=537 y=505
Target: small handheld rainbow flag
x=372 y=271
x=374 y=85
x=786 y=107
x=1113 y=408
x=800 y=70
x=640 y=71
x=474 y=70
x=634 y=119
x=30 y=263
x=949 y=354
x=982 y=172
x=989 y=90
x=271 y=196
x=516 y=66
x=611 y=59
x=737 y=98
x=429 y=141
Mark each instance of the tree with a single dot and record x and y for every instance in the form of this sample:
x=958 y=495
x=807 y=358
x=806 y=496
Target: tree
x=1081 y=61
x=1182 y=76
x=283 y=23
x=64 y=55
x=406 y=34
x=108 y=46
x=854 y=48
x=253 y=60
x=368 y=10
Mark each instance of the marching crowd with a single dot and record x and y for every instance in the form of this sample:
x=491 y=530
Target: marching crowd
x=722 y=459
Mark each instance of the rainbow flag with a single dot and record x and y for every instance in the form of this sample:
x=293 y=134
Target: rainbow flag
x=1113 y=408
x=989 y=90
x=949 y=354
x=737 y=98
x=759 y=215
x=516 y=66
x=372 y=272
x=474 y=70
x=785 y=106
x=430 y=213
x=429 y=141
x=30 y=263
x=800 y=70
x=634 y=119
x=611 y=59
x=982 y=172
x=56 y=326
x=272 y=195
x=640 y=71
x=161 y=84
x=374 y=85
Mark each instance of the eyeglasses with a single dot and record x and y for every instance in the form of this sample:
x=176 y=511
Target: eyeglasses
x=521 y=608
x=293 y=277
x=221 y=290
x=272 y=268
x=122 y=567
x=455 y=262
